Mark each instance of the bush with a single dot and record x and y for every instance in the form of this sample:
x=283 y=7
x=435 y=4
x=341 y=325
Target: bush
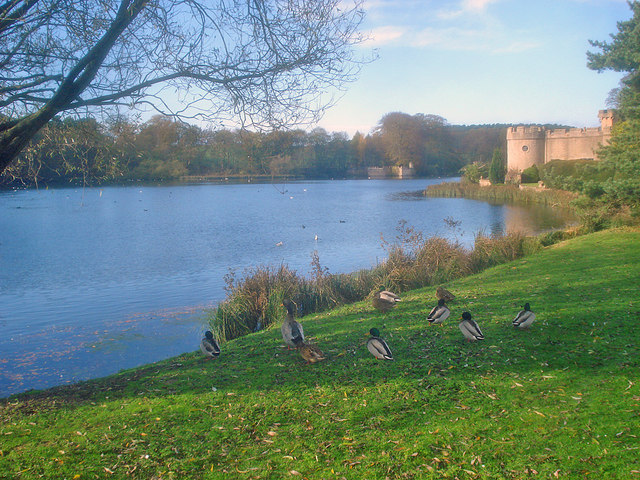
x=471 y=173
x=530 y=175
x=551 y=238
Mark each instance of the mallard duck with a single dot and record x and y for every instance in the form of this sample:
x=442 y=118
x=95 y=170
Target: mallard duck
x=470 y=328
x=439 y=313
x=377 y=346
x=384 y=300
x=291 y=329
x=310 y=353
x=444 y=294
x=525 y=317
x=209 y=345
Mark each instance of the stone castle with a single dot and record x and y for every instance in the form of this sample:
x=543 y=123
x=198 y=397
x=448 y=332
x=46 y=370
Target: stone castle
x=533 y=145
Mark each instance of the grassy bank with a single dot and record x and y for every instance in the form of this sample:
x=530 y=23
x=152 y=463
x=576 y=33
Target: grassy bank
x=413 y=261
x=559 y=401
x=501 y=193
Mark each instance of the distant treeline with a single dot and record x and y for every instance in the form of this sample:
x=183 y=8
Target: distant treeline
x=72 y=151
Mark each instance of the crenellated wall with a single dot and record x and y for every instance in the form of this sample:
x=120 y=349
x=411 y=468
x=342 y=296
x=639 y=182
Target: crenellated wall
x=574 y=143
x=533 y=145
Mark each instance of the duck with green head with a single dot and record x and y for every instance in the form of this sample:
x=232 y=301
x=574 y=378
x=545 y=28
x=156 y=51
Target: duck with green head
x=525 y=317
x=291 y=329
x=377 y=346
x=209 y=346
x=470 y=328
x=439 y=313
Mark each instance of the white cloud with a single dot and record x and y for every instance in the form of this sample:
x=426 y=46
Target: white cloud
x=476 y=4
x=464 y=39
x=466 y=7
x=452 y=39
x=467 y=26
x=385 y=35
x=518 y=46
x=482 y=39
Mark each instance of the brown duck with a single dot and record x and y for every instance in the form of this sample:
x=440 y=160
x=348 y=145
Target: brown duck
x=444 y=294
x=384 y=300
x=310 y=353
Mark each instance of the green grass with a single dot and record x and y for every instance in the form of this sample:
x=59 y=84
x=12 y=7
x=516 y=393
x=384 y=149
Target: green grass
x=559 y=401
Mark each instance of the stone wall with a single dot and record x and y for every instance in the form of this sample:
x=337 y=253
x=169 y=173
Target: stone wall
x=574 y=143
x=533 y=145
x=394 y=171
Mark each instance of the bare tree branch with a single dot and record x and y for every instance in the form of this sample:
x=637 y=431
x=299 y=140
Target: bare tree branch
x=266 y=63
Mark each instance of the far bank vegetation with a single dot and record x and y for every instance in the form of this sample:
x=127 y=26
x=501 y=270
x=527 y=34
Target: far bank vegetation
x=86 y=152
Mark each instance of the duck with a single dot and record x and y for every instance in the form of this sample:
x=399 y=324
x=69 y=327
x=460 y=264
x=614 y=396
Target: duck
x=384 y=300
x=470 y=328
x=291 y=329
x=525 y=317
x=209 y=345
x=377 y=346
x=310 y=353
x=444 y=294
x=439 y=313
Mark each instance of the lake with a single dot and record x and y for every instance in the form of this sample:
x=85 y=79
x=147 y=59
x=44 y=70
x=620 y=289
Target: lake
x=97 y=280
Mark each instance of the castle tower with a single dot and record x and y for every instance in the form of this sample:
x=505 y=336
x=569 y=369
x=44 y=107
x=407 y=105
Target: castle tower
x=607 y=119
x=525 y=147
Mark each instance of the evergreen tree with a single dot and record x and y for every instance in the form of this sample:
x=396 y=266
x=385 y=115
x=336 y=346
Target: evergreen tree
x=622 y=155
x=497 y=170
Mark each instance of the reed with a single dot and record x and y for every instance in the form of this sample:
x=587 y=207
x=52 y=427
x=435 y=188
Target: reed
x=501 y=193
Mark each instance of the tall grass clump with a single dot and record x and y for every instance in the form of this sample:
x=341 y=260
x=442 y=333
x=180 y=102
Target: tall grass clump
x=491 y=250
x=413 y=261
x=500 y=193
x=254 y=301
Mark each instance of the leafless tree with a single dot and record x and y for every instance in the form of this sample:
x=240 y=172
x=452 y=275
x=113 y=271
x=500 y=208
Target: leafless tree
x=266 y=63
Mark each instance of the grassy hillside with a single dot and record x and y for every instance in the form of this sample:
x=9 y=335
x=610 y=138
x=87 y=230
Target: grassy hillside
x=559 y=401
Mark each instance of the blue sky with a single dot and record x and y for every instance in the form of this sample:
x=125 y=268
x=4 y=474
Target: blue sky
x=481 y=61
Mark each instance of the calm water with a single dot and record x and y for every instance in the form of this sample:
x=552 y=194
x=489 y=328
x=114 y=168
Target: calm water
x=110 y=278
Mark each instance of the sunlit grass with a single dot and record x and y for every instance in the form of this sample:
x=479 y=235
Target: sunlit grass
x=559 y=401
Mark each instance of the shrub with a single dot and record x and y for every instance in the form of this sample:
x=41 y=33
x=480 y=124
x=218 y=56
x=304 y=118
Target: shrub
x=471 y=173
x=530 y=175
